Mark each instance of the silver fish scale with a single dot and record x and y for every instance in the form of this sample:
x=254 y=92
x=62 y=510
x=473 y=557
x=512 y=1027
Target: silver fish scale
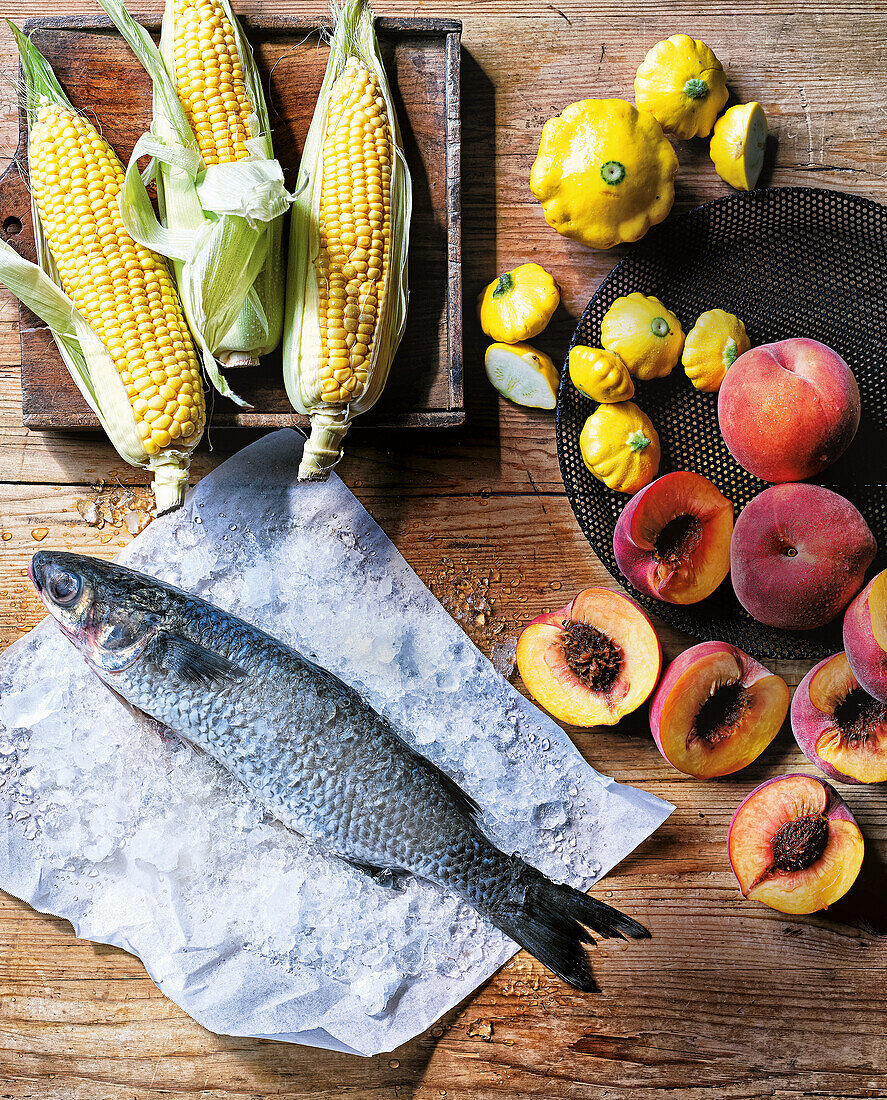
x=316 y=753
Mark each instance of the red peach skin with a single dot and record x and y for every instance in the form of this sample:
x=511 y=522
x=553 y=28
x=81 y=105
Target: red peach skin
x=788 y=410
x=701 y=559
x=750 y=844
x=865 y=637
x=854 y=755
x=686 y=686
x=799 y=554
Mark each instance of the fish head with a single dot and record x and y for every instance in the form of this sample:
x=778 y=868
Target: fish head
x=96 y=604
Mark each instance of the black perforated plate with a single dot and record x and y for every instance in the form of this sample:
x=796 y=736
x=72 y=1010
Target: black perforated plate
x=791 y=261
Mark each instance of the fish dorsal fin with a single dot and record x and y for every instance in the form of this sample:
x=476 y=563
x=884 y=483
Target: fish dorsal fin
x=194 y=663
x=464 y=801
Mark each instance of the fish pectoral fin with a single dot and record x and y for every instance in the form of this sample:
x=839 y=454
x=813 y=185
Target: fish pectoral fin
x=152 y=725
x=385 y=876
x=194 y=663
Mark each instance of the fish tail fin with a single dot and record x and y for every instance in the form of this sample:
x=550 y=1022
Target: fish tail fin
x=554 y=922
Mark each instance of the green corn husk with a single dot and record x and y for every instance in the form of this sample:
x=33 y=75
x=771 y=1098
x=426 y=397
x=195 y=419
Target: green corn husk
x=88 y=361
x=223 y=223
x=353 y=35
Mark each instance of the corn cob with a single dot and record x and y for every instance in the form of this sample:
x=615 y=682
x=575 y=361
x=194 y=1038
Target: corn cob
x=122 y=289
x=209 y=80
x=220 y=191
x=346 y=294
x=110 y=302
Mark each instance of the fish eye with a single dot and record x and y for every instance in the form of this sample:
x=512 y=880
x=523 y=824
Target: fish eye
x=64 y=588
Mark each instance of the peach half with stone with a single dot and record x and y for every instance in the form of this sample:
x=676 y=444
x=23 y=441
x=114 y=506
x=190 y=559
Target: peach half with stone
x=592 y=662
x=716 y=709
x=794 y=844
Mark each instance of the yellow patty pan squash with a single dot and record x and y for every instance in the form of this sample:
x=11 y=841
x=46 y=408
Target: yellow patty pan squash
x=523 y=374
x=645 y=335
x=604 y=172
x=620 y=446
x=738 y=145
x=518 y=305
x=682 y=84
x=712 y=346
x=600 y=375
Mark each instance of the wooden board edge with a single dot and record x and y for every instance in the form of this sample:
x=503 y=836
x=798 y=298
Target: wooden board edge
x=425 y=418
x=453 y=62
x=279 y=23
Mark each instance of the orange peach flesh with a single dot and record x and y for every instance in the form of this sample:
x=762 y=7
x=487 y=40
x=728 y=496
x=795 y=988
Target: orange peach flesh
x=751 y=849
x=878 y=609
x=550 y=680
x=863 y=756
x=552 y=683
x=765 y=704
x=696 y=573
x=820 y=885
x=632 y=633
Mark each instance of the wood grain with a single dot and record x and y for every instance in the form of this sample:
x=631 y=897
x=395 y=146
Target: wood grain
x=729 y=1000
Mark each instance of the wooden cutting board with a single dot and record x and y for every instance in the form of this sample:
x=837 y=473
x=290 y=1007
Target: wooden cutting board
x=103 y=78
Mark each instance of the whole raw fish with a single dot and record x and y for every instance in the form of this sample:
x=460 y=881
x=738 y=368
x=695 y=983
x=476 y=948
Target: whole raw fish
x=311 y=749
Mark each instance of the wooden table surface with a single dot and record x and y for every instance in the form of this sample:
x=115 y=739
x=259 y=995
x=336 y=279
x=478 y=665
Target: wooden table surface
x=729 y=999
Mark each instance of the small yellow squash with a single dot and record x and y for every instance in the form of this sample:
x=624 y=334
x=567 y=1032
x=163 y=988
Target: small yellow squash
x=600 y=375
x=738 y=145
x=712 y=346
x=519 y=304
x=682 y=84
x=645 y=335
x=523 y=374
x=620 y=446
x=604 y=172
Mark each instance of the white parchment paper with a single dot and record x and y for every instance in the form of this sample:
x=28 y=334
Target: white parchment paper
x=149 y=845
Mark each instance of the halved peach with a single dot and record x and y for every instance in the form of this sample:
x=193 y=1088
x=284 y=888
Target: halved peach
x=672 y=540
x=794 y=845
x=839 y=726
x=592 y=662
x=716 y=709
x=865 y=637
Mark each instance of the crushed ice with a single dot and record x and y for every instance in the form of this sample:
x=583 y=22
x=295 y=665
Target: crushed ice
x=144 y=842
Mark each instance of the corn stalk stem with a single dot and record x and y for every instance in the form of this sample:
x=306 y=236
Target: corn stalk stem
x=323 y=447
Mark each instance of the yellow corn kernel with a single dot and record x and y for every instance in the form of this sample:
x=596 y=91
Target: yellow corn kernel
x=209 y=80
x=65 y=147
x=355 y=209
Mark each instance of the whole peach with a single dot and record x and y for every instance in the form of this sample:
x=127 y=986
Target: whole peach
x=798 y=555
x=788 y=410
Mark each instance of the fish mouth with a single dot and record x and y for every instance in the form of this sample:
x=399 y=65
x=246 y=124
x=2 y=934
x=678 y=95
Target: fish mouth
x=37 y=572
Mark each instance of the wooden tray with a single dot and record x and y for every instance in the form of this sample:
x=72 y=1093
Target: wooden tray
x=101 y=76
